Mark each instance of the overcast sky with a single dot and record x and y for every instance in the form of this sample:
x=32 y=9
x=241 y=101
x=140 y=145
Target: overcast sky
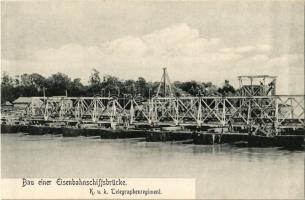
x=201 y=40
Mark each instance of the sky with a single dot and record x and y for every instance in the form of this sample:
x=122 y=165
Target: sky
x=195 y=40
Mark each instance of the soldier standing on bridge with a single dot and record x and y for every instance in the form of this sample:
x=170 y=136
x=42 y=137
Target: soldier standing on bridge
x=78 y=124
x=230 y=123
x=250 y=128
x=125 y=120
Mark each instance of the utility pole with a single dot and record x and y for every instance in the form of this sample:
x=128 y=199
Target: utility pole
x=149 y=93
x=164 y=81
x=44 y=92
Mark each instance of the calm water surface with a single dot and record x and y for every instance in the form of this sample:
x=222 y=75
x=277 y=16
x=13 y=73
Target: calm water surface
x=221 y=171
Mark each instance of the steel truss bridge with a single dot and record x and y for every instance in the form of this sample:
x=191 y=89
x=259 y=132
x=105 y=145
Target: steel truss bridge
x=257 y=112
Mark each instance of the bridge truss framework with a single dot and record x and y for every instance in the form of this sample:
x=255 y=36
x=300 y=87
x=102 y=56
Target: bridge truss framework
x=257 y=112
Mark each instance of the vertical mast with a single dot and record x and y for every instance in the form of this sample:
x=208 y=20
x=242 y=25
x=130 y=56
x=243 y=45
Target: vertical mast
x=164 y=81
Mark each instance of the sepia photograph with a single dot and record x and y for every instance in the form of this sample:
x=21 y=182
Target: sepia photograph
x=153 y=99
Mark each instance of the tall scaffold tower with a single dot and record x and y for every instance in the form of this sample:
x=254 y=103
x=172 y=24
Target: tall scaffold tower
x=165 y=86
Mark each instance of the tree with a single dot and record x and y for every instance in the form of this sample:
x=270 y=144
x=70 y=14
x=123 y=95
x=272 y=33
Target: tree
x=7 y=89
x=227 y=89
x=76 y=88
x=6 y=79
x=38 y=81
x=94 y=78
x=57 y=84
x=129 y=87
x=25 y=80
x=192 y=88
x=210 y=89
x=142 y=87
x=111 y=85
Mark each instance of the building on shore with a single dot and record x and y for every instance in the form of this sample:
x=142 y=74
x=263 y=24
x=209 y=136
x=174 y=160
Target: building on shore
x=24 y=102
x=6 y=106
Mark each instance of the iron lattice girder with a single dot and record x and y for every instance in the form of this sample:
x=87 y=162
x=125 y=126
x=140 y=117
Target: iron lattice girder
x=162 y=108
x=279 y=110
x=291 y=109
x=255 y=109
x=78 y=106
x=191 y=111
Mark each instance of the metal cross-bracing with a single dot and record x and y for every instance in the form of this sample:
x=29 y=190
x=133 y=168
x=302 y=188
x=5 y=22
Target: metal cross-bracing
x=259 y=113
x=74 y=108
x=261 y=85
x=248 y=113
x=134 y=111
x=290 y=110
x=89 y=110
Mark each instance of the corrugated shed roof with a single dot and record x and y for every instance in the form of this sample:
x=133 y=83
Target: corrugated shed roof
x=23 y=100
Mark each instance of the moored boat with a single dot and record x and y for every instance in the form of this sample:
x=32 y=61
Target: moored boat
x=9 y=128
x=108 y=133
x=173 y=135
x=261 y=141
x=233 y=137
x=38 y=130
x=203 y=138
x=289 y=140
x=91 y=131
x=72 y=132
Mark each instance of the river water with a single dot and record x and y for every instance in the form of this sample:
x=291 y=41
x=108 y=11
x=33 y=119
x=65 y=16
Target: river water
x=221 y=171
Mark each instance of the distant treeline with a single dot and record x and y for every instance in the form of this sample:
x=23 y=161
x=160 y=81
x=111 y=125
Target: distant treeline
x=28 y=85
